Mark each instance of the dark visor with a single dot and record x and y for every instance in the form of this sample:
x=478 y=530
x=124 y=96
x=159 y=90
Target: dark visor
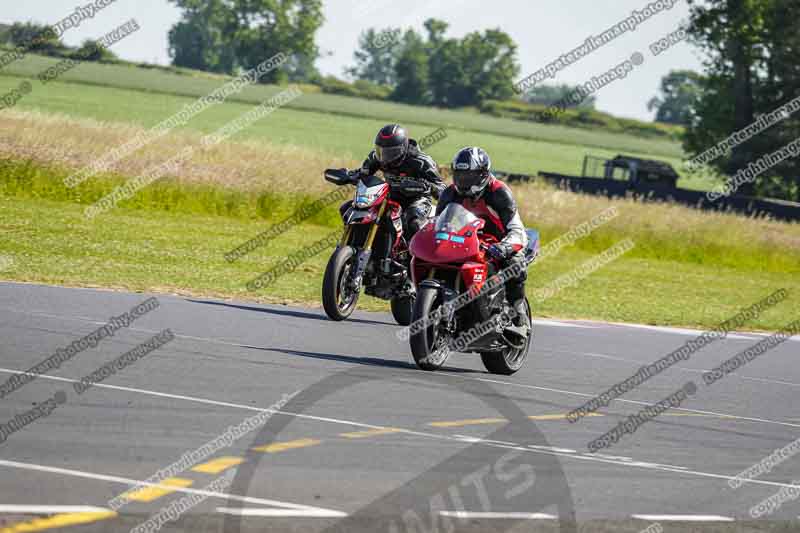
x=466 y=179
x=389 y=154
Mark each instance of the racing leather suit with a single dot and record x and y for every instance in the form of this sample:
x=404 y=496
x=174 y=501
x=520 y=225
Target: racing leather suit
x=497 y=207
x=416 y=165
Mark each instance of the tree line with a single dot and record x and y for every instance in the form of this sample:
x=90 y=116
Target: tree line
x=750 y=50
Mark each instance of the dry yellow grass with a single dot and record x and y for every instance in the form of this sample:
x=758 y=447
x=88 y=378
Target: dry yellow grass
x=549 y=207
x=74 y=143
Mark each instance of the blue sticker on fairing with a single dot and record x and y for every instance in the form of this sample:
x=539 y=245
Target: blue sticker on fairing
x=442 y=236
x=456 y=238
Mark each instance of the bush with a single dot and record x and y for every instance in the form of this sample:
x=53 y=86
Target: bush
x=579 y=118
x=359 y=89
x=5 y=34
x=37 y=38
x=91 y=50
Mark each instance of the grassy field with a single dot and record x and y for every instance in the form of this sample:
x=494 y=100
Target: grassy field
x=336 y=135
x=157 y=81
x=336 y=124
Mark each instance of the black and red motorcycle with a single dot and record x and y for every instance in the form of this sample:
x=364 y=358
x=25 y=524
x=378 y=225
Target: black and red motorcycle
x=373 y=254
x=461 y=303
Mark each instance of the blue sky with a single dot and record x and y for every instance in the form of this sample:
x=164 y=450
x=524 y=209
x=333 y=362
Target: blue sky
x=543 y=30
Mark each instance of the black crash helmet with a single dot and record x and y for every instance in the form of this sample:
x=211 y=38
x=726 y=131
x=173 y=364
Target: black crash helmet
x=391 y=144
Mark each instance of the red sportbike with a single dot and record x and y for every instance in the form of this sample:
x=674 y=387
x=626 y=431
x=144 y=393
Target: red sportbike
x=457 y=307
x=373 y=253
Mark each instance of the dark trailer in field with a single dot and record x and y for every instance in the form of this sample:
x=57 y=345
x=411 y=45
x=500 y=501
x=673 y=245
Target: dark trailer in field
x=649 y=180
x=631 y=169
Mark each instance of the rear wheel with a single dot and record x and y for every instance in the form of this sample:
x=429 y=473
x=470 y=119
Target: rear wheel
x=431 y=345
x=510 y=359
x=338 y=298
x=402 y=309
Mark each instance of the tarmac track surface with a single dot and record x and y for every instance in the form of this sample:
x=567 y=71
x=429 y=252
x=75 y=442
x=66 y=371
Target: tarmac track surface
x=368 y=442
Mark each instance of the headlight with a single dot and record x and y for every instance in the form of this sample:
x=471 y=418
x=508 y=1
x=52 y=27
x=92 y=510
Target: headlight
x=366 y=199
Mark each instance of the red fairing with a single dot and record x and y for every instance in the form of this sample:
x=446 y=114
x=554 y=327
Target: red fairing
x=395 y=211
x=430 y=250
x=368 y=218
x=383 y=195
x=474 y=275
x=396 y=216
x=370 y=212
x=427 y=248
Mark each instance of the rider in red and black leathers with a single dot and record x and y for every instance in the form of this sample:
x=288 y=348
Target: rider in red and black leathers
x=479 y=191
x=400 y=159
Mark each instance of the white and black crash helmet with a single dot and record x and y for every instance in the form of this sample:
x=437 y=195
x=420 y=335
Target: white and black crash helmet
x=471 y=171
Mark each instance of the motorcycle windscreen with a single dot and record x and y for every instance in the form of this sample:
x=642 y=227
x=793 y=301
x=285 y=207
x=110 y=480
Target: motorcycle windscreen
x=454 y=218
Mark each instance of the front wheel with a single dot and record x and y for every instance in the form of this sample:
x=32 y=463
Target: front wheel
x=510 y=359
x=430 y=346
x=338 y=297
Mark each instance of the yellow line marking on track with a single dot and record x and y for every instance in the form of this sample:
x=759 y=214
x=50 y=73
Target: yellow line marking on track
x=149 y=494
x=483 y=421
x=371 y=433
x=694 y=414
x=59 y=520
x=288 y=445
x=473 y=422
x=218 y=465
x=558 y=417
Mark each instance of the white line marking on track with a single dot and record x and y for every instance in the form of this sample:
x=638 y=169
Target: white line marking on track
x=684 y=368
x=540 y=322
x=206 y=401
x=744 y=335
x=687 y=332
x=753 y=336
x=683 y=517
x=554 y=323
x=584 y=324
x=134 y=482
x=623 y=400
x=139 y=330
x=280 y=513
x=51 y=509
x=451 y=438
x=552 y=448
x=508 y=516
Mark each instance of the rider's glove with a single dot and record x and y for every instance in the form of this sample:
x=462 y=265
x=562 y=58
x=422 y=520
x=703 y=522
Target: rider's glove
x=500 y=251
x=426 y=186
x=354 y=174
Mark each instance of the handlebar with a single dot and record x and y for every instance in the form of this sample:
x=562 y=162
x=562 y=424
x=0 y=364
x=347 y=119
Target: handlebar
x=412 y=187
x=338 y=176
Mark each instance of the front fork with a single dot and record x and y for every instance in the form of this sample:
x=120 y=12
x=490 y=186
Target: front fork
x=447 y=312
x=365 y=252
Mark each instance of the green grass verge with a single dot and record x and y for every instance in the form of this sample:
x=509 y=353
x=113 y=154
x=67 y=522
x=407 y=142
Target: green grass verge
x=26 y=179
x=167 y=241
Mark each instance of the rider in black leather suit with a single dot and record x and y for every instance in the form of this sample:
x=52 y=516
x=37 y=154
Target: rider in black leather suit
x=400 y=159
